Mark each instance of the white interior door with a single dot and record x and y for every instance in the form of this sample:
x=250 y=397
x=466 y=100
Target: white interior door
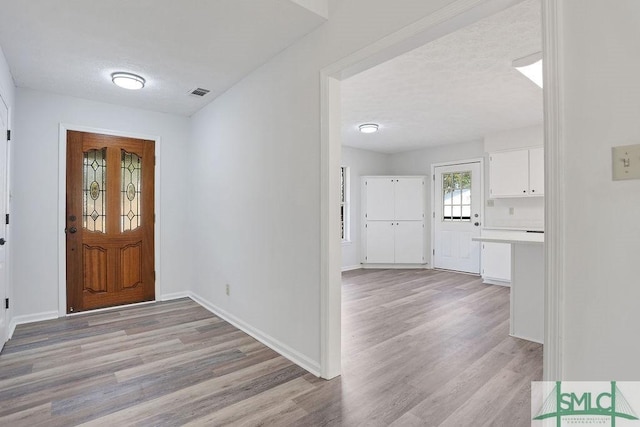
x=4 y=117
x=457 y=208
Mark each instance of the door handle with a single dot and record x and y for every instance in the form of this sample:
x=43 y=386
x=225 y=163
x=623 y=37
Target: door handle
x=476 y=224
x=72 y=230
x=2 y=241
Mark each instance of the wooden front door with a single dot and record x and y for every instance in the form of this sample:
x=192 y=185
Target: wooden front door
x=109 y=221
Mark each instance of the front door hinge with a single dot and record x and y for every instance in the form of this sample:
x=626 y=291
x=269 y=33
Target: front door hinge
x=8 y=135
x=154 y=275
x=6 y=303
x=434 y=251
x=6 y=219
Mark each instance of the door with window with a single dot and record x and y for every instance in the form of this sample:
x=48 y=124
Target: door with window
x=109 y=221
x=457 y=220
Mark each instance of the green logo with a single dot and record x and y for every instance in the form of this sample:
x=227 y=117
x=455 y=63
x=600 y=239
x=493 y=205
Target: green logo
x=610 y=403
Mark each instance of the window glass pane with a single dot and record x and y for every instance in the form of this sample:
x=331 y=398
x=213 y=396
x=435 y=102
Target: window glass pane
x=94 y=178
x=342 y=220
x=456 y=211
x=342 y=184
x=447 y=213
x=466 y=212
x=456 y=199
x=465 y=178
x=466 y=196
x=131 y=193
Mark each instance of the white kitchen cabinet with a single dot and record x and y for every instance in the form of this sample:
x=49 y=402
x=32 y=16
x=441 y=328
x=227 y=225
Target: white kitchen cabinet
x=496 y=263
x=409 y=242
x=394 y=198
x=516 y=173
x=399 y=242
x=380 y=242
x=379 y=198
x=393 y=223
x=536 y=171
x=409 y=199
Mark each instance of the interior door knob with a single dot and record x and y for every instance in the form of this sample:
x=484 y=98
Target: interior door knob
x=72 y=230
x=476 y=224
x=2 y=241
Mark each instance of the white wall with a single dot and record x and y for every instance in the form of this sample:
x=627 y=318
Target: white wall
x=257 y=179
x=513 y=213
x=602 y=217
x=419 y=162
x=360 y=163
x=34 y=178
x=7 y=87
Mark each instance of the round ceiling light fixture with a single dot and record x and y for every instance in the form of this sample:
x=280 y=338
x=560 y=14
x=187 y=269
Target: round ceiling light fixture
x=128 y=80
x=368 y=127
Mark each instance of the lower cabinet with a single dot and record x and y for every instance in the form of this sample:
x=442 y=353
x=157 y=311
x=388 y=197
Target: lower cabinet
x=394 y=242
x=496 y=263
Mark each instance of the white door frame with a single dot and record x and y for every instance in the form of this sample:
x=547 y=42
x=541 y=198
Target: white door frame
x=62 y=194
x=433 y=196
x=446 y=20
x=5 y=271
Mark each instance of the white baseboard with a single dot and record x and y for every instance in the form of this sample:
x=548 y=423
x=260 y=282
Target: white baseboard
x=352 y=267
x=395 y=266
x=175 y=295
x=279 y=347
x=30 y=318
x=496 y=282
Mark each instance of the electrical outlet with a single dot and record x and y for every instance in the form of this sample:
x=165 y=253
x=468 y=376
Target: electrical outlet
x=227 y=289
x=511 y=211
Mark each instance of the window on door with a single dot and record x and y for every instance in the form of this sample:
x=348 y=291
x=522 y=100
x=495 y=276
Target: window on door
x=344 y=203
x=456 y=196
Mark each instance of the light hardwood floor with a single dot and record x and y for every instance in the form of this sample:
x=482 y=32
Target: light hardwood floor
x=420 y=348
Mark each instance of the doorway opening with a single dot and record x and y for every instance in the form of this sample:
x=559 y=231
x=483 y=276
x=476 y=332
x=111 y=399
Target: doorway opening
x=431 y=28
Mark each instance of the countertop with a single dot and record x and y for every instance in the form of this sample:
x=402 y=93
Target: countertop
x=504 y=236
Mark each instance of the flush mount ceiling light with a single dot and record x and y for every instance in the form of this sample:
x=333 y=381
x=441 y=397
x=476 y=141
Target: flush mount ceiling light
x=368 y=128
x=128 y=81
x=530 y=66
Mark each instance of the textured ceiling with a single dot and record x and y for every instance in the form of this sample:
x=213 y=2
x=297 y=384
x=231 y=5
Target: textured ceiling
x=458 y=88
x=72 y=47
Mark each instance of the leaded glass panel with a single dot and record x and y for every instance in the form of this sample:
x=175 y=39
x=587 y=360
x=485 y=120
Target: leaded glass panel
x=94 y=191
x=131 y=215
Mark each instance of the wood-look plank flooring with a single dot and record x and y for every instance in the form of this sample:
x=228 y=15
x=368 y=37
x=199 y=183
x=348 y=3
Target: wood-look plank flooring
x=420 y=348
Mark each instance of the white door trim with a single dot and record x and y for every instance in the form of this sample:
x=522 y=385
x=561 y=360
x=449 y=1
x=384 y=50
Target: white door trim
x=554 y=191
x=433 y=195
x=6 y=270
x=62 y=192
x=444 y=21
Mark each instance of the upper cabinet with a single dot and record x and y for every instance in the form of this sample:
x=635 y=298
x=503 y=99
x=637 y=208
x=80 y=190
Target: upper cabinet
x=516 y=173
x=536 y=171
x=397 y=198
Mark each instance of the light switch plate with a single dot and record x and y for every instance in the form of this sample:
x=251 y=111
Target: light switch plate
x=626 y=162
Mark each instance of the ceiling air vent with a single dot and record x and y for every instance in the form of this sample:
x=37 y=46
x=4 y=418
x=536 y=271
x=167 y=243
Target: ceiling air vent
x=199 y=92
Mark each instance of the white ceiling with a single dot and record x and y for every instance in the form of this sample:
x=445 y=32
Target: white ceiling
x=458 y=88
x=72 y=47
